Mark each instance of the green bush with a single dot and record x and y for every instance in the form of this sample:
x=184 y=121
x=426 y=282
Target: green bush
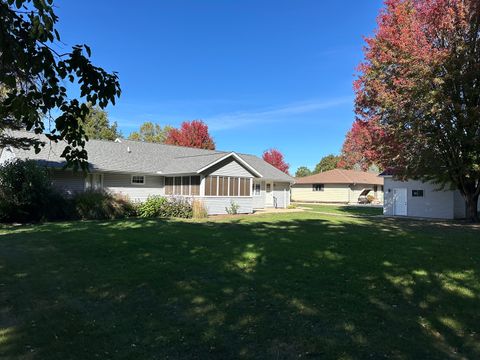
x=100 y=205
x=178 y=208
x=26 y=193
x=233 y=208
x=152 y=207
x=159 y=206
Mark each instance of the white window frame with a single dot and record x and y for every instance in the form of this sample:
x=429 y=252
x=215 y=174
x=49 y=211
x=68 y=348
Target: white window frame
x=137 y=183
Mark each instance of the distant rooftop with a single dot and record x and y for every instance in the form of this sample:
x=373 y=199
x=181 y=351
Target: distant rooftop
x=341 y=176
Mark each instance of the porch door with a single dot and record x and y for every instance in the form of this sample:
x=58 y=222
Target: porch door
x=268 y=194
x=400 y=202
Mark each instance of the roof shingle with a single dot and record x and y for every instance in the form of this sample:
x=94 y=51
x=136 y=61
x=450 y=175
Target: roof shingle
x=341 y=176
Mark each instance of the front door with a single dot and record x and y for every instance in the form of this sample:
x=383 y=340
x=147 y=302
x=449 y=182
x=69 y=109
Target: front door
x=269 y=194
x=400 y=202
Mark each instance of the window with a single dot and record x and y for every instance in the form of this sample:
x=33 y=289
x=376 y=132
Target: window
x=182 y=185
x=195 y=185
x=177 y=189
x=222 y=186
x=138 y=179
x=256 y=189
x=417 y=193
x=227 y=186
x=169 y=186
x=186 y=185
x=317 y=187
x=244 y=187
x=233 y=187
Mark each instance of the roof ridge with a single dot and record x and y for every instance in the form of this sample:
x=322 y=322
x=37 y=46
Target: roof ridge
x=198 y=155
x=126 y=139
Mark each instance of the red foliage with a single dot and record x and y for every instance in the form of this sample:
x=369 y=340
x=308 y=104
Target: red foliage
x=191 y=134
x=276 y=158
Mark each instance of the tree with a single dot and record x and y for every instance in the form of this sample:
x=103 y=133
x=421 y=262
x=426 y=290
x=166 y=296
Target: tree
x=97 y=126
x=303 y=171
x=33 y=74
x=359 y=150
x=326 y=163
x=191 y=134
x=150 y=132
x=419 y=84
x=276 y=159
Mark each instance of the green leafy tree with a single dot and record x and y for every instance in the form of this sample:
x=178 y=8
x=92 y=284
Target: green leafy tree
x=97 y=126
x=327 y=163
x=150 y=132
x=303 y=171
x=34 y=73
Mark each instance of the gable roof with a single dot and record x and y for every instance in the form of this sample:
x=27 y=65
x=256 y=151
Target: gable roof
x=129 y=156
x=341 y=176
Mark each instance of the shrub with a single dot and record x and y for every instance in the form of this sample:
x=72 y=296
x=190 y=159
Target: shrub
x=159 y=206
x=100 y=205
x=233 y=208
x=199 y=210
x=370 y=198
x=292 y=206
x=152 y=207
x=26 y=193
x=177 y=207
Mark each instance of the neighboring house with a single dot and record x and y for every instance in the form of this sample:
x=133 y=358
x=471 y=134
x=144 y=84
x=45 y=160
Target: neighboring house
x=139 y=169
x=337 y=186
x=415 y=198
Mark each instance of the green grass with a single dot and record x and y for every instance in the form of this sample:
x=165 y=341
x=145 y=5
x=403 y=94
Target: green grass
x=344 y=209
x=271 y=286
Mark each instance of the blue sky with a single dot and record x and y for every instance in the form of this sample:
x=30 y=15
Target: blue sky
x=260 y=73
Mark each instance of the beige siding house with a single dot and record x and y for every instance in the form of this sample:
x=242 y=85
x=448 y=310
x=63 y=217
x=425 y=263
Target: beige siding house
x=337 y=186
x=138 y=170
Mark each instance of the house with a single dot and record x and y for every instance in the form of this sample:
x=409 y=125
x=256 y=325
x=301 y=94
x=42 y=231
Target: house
x=337 y=186
x=139 y=170
x=415 y=198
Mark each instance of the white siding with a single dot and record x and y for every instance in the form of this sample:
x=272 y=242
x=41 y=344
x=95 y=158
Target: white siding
x=229 y=167
x=433 y=204
x=217 y=205
x=460 y=206
x=259 y=200
x=121 y=184
x=281 y=193
x=6 y=154
x=68 y=181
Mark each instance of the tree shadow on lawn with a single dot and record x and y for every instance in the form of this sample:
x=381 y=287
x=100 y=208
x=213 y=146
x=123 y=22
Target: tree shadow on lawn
x=339 y=288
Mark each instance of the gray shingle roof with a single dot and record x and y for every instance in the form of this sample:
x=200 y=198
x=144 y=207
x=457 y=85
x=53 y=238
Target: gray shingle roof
x=129 y=156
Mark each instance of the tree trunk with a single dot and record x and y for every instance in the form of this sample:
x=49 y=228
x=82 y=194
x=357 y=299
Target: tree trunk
x=472 y=207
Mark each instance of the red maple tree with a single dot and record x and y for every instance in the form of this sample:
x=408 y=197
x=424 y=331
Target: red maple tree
x=360 y=146
x=276 y=159
x=191 y=134
x=419 y=83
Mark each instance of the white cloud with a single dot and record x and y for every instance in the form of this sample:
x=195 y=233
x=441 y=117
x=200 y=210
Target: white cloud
x=239 y=119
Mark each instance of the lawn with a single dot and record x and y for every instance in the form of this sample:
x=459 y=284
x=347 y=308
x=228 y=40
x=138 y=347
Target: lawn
x=270 y=286
x=365 y=210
